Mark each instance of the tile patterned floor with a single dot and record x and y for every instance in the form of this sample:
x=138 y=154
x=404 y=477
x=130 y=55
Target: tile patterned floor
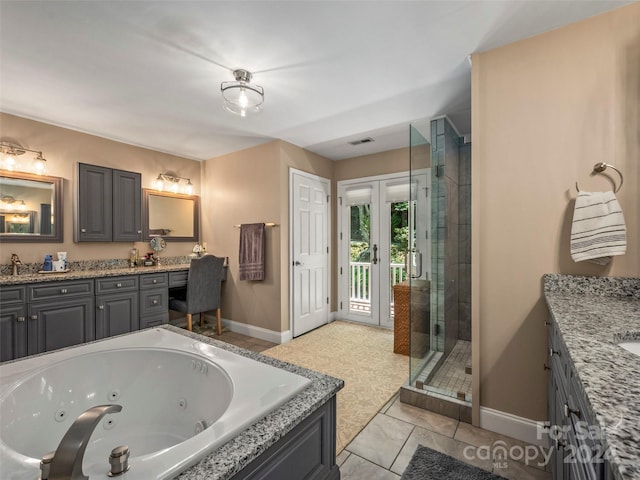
x=383 y=449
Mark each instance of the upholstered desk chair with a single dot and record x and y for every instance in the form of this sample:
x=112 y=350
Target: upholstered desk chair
x=203 y=290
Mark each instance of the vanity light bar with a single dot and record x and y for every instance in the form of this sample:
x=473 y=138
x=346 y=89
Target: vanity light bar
x=171 y=182
x=11 y=163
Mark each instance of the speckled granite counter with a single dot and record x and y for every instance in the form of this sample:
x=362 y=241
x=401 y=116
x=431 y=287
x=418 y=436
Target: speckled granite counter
x=594 y=314
x=89 y=273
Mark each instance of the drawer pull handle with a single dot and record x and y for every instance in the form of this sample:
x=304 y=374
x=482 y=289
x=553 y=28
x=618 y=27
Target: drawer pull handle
x=21 y=319
x=34 y=317
x=155 y=281
x=63 y=290
x=83 y=230
x=118 y=285
x=155 y=302
x=100 y=307
x=568 y=411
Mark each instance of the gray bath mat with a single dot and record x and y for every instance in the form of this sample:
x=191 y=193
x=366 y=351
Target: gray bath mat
x=427 y=464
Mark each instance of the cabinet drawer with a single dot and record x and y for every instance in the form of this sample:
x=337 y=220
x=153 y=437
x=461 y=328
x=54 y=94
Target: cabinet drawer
x=12 y=294
x=58 y=290
x=179 y=278
x=116 y=284
x=154 y=321
x=153 y=280
x=154 y=302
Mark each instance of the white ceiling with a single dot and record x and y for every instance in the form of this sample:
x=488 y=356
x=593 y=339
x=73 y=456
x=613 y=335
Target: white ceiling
x=148 y=73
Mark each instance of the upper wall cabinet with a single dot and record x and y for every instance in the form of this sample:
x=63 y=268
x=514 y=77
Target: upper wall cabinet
x=108 y=206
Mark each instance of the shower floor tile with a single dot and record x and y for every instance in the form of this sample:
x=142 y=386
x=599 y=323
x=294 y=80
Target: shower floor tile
x=451 y=376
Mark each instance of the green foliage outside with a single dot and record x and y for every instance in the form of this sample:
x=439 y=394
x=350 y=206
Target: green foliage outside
x=360 y=232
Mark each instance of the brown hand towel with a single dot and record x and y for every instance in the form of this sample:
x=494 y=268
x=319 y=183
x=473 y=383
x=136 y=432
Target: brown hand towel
x=251 y=262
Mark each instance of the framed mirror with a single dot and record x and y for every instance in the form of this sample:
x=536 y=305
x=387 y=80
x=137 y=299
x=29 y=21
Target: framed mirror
x=31 y=208
x=172 y=216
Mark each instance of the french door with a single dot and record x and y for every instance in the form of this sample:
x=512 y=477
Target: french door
x=382 y=242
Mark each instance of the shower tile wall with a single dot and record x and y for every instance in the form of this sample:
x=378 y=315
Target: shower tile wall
x=464 y=243
x=445 y=225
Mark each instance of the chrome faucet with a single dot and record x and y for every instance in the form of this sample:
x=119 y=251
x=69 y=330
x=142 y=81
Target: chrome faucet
x=67 y=460
x=15 y=264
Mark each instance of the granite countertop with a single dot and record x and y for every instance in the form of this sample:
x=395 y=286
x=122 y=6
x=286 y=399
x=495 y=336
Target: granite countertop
x=233 y=456
x=87 y=273
x=594 y=314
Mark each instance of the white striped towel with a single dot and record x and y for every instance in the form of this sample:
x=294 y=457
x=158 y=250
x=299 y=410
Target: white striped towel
x=598 y=231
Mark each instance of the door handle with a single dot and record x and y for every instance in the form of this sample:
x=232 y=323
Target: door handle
x=375 y=254
x=297 y=263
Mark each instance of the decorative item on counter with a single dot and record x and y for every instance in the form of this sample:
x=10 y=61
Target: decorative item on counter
x=150 y=260
x=47 y=266
x=197 y=249
x=133 y=257
x=62 y=256
x=15 y=264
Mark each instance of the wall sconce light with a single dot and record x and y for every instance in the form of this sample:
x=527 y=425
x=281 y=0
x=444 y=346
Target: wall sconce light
x=9 y=203
x=10 y=161
x=170 y=182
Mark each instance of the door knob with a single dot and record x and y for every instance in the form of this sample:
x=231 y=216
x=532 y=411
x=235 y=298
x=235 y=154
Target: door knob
x=297 y=263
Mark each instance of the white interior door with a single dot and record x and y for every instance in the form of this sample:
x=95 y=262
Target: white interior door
x=377 y=231
x=309 y=227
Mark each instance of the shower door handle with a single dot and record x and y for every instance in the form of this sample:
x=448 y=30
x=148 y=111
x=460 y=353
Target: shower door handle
x=375 y=254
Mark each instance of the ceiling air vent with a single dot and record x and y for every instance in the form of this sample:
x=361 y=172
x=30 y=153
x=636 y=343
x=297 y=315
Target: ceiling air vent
x=361 y=141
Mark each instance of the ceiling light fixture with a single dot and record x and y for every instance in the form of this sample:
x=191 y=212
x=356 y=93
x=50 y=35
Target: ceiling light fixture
x=10 y=161
x=242 y=96
x=170 y=182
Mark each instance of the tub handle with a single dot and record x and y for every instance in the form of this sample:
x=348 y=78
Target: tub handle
x=119 y=461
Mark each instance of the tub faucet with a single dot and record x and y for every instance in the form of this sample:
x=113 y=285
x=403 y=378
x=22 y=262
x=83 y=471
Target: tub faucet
x=67 y=461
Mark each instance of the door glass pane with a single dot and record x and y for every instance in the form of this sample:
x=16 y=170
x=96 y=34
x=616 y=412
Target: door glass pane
x=360 y=258
x=398 y=246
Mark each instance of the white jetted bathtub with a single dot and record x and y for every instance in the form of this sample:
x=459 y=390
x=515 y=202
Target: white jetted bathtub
x=180 y=400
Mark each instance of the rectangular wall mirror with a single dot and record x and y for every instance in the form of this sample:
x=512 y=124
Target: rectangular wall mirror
x=31 y=208
x=171 y=215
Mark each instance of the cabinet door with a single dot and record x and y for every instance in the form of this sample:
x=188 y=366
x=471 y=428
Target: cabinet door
x=127 y=206
x=13 y=332
x=116 y=314
x=55 y=324
x=94 y=216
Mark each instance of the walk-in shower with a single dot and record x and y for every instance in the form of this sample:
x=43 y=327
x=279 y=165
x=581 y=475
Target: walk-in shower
x=440 y=274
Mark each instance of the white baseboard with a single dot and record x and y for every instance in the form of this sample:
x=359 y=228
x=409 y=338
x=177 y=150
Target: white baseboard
x=513 y=426
x=258 y=332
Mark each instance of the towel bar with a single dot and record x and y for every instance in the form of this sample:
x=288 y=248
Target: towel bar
x=601 y=167
x=266 y=225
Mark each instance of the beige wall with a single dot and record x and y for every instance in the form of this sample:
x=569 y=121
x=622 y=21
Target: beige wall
x=64 y=149
x=545 y=110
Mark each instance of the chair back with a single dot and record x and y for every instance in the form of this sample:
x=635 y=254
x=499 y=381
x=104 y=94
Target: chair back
x=204 y=283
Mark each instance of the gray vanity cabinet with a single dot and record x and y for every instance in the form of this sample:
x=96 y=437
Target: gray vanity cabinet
x=60 y=314
x=577 y=448
x=116 y=305
x=154 y=299
x=13 y=325
x=109 y=205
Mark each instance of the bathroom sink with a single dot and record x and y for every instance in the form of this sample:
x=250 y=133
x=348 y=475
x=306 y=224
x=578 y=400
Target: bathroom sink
x=632 y=345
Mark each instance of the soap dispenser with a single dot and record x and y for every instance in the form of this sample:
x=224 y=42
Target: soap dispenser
x=47 y=266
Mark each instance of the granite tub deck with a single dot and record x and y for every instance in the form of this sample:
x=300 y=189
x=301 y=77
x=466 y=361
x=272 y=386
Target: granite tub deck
x=236 y=454
x=594 y=314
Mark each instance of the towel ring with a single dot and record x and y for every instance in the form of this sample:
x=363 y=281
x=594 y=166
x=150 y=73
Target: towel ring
x=601 y=167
